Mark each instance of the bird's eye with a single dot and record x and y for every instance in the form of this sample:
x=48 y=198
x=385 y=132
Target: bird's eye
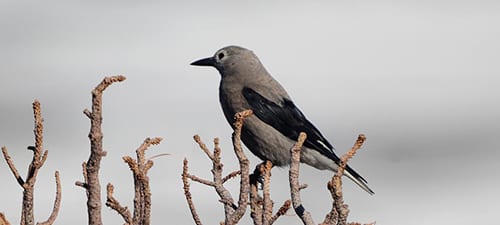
x=220 y=55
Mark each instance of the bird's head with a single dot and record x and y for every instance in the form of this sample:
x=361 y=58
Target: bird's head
x=230 y=59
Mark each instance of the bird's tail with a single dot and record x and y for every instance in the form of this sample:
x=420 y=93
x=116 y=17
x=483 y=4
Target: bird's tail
x=356 y=178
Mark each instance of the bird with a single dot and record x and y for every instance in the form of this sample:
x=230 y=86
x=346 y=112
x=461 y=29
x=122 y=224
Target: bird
x=276 y=121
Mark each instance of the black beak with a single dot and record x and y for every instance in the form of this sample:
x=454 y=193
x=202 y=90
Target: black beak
x=204 y=62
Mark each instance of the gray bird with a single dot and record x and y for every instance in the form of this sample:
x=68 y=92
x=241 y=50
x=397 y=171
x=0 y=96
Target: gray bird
x=277 y=122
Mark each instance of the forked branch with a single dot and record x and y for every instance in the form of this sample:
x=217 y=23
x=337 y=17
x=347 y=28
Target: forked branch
x=233 y=212
x=28 y=184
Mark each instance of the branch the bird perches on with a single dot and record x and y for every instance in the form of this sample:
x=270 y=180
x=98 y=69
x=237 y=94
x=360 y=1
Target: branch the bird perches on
x=261 y=206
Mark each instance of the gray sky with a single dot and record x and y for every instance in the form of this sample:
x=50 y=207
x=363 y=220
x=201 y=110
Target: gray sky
x=420 y=79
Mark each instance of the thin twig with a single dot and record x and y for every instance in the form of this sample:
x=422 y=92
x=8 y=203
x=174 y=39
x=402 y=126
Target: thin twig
x=28 y=184
x=114 y=204
x=187 y=193
x=231 y=175
x=304 y=215
x=267 y=203
x=140 y=168
x=340 y=211
x=282 y=211
x=12 y=166
x=3 y=220
x=244 y=167
x=57 y=203
x=256 y=201
x=200 y=180
x=203 y=147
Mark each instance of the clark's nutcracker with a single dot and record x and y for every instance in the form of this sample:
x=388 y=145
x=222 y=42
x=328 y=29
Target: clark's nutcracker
x=277 y=122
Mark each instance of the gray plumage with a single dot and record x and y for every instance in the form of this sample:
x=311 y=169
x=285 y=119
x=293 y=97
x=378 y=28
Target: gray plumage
x=277 y=122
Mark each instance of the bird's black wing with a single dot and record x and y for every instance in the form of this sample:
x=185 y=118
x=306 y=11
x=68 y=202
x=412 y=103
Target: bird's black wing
x=289 y=121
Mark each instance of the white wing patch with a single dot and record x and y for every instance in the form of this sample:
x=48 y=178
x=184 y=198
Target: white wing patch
x=324 y=145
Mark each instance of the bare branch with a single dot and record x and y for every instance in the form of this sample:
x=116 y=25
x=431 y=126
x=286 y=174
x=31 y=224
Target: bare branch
x=339 y=212
x=92 y=184
x=57 y=203
x=83 y=184
x=87 y=113
x=187 y=193
x=282 y=211
x=256 y=201
x=304 y=215
x=203 y=147
x=267 y=203
x=3 y=220
x=231 y=175
x=140 y=168
x=200 y=180
x=244 y=167
x=28 y=185
x=34 y=167
x=115 y=205
x=12 y=166
x=217 y=182
x=232 y=212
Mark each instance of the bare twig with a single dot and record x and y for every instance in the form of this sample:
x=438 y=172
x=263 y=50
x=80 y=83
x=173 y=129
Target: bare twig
x=83 y=184
x=3 y=220
x=304 y=215
x=267 y=203
x=217 y=183
x=34 y=167
x=187 y=193
x=115 y=205
x=256 y=201
x=203 y=147
x=91 y=175
x=244 y=167
x=200 y=180
x=283 y=209
x=231 y=175
x=57 y=203
x=339 y=212
x=224 y=194
x=232 y=212
x=142 y=199
x=140 y=168
x=28 y=185
x=12 y=167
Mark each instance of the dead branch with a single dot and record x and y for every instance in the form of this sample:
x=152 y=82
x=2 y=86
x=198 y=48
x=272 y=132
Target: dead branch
x=232 y=212
x=91 y=175
x=187 y=193
x=244 y=167
x=57 y=203
x=203 y=147
x=231 y=175
x=114 y=204
x=283 y=209
x=262 y=206
x=303 y=214
x=339 y=212
x=142 y=199
x=256 y=201
x=12 y=167
x=3 y=220
x=140 y=168
x=217 y=183
x=28 y=185
x=267 y=203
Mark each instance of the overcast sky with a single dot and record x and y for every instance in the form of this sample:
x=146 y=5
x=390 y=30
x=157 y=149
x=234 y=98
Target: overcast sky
x=421 y=79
